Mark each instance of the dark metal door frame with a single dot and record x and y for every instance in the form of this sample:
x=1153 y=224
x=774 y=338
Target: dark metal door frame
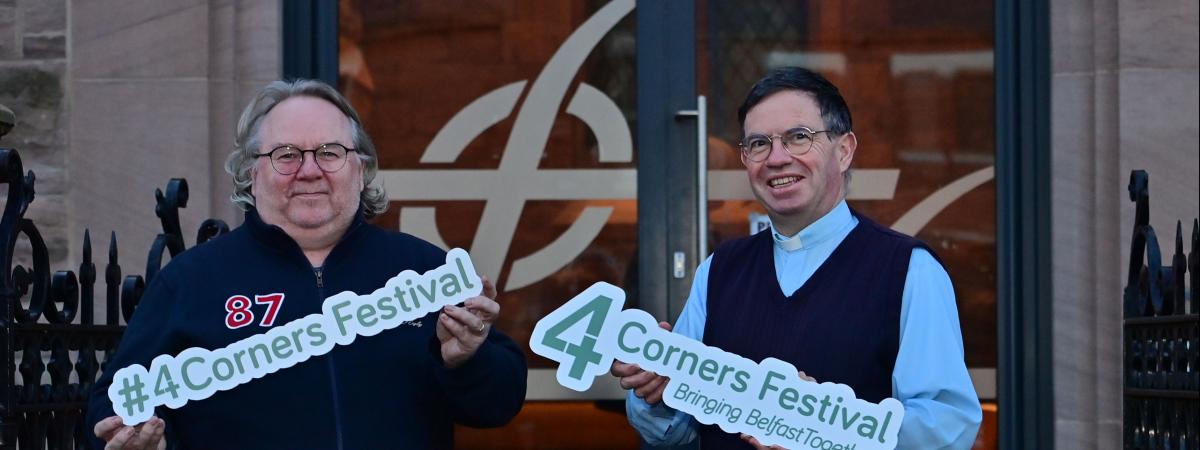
x=667 y=194
x=1026 y=376
x=310 y=40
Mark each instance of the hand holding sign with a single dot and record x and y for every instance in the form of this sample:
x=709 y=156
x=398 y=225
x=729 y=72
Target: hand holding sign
x=118 y=436
x=462 y=330
x=768 y=401
x=647 y=385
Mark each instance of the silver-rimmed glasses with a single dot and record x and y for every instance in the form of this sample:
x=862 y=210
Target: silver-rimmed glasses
x=796 y=141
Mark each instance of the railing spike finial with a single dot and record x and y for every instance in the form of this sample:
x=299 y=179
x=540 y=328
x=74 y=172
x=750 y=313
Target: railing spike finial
x=112 y=248
x=87 y=281
x=87 y=245
x=1194 y=266
x=1178 y=272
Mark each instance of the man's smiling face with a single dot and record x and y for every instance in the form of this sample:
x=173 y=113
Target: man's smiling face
x=797 y=189
x=310 y=198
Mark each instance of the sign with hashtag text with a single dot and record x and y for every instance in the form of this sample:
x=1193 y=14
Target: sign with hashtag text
x=197 y=373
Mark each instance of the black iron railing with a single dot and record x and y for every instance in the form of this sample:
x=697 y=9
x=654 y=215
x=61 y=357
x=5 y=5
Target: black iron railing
x=1162 y=335
x=50 y=338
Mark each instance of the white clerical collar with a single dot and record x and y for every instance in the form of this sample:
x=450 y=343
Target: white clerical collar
x=816 y=232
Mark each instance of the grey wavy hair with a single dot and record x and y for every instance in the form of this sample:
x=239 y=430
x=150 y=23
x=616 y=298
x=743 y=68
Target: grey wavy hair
x=246 y=145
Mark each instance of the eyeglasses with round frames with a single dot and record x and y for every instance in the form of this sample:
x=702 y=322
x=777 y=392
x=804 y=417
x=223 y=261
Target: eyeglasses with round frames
x=287 y=159
x=797 y=141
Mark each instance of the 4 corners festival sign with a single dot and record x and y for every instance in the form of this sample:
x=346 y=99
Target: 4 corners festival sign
x=767 y=400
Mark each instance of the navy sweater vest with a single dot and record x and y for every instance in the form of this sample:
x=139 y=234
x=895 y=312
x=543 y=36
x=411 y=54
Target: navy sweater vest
x=842 y=325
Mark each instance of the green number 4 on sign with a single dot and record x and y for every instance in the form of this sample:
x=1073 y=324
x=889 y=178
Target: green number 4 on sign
x=583 y=353
x=580 y=361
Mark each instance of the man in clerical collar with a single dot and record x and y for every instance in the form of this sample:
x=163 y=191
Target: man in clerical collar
x=826 y=289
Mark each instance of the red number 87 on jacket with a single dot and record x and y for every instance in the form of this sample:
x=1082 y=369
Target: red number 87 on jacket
x=240 y=314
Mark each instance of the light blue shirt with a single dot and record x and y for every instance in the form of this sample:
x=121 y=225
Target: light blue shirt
x=941 y=408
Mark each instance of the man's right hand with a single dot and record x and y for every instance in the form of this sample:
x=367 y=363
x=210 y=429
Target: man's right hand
x=146 y=436
x=647 y=385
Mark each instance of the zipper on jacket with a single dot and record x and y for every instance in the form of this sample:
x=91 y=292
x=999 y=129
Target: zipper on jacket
x=337 y=409
x=333 y=386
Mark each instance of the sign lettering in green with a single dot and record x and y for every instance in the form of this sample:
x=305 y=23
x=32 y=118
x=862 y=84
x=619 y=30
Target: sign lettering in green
x=767 y=399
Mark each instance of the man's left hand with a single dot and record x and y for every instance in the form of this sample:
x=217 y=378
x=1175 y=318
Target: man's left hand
x=461 y=330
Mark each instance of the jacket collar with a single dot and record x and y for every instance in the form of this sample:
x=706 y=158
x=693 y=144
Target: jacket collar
x=276 y=239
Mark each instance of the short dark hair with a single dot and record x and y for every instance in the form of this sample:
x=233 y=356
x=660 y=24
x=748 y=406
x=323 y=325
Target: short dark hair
x=834 y=111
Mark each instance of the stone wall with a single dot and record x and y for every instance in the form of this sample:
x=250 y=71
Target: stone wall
x=1125 y=89
x=33 y=66
x=113 y=98
x=156 y=88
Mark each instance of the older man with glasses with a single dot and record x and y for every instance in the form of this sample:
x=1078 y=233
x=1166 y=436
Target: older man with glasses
x=826 y=289
x=304 y=170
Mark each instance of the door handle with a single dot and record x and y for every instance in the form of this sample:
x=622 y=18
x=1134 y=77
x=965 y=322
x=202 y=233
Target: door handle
x=701 y=115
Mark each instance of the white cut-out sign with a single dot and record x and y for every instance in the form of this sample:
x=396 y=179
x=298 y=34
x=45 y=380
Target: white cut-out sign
x=767 y=400
x=197 y=373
